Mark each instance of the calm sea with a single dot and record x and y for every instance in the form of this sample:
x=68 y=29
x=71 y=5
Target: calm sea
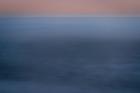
x=69 y=55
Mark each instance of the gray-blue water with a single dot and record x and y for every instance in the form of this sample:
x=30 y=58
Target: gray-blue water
x=69 y=55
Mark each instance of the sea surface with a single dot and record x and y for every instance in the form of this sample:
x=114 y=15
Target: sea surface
x=69 y=54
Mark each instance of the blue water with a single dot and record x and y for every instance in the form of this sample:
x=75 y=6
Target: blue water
x=69 y=55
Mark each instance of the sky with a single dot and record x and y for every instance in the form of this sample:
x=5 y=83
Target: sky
x=71 y=7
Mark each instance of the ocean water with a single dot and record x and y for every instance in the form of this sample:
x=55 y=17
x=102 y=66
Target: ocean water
x=69 y=55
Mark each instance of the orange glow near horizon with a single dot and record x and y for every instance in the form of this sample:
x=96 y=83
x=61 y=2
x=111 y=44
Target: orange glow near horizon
x=52 y=7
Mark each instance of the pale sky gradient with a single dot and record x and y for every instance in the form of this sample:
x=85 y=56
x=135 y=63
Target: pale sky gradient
x=71 y=7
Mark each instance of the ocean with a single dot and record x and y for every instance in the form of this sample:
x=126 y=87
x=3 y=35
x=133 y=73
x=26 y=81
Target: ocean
x=69 y=54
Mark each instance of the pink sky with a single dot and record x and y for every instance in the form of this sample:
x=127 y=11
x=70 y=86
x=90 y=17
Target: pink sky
x=54 y=7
